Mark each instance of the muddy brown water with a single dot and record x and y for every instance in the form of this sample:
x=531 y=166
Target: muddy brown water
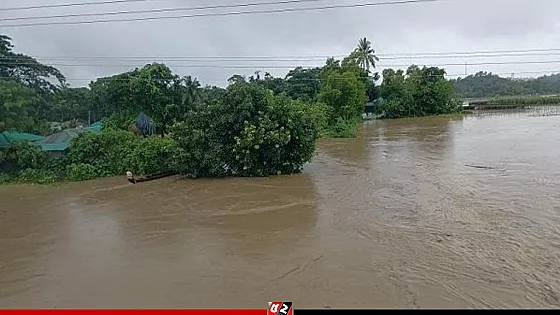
x=392 y=218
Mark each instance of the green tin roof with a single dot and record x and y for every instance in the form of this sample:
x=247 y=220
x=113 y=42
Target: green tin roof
x=7 y=137
x=95 y=127
x=60 y=141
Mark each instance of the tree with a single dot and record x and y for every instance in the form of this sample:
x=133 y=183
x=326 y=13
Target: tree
x=113 y=95
x=422 y=92
x=191 y=92
x=153 y=89
x=365 y=55
x=27 y=70
x=70 y=103
x=21 y=108
x=249 y=131
x=155 y=92
x=345 y=92
x=236 y=78
x=303 y=84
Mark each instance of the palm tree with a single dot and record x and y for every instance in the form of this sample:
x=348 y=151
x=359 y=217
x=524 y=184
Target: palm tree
x=192 y=90
x=365 y=55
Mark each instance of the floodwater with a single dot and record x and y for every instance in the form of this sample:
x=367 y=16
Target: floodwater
x=393 y=218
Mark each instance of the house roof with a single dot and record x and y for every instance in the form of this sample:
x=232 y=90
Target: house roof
x=60 y=141
x=95 y=127
x=7 y=137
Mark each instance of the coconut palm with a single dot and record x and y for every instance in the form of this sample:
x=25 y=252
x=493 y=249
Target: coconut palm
x=192 y=90
x=365 y=55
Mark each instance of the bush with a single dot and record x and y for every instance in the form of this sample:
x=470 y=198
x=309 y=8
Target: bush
x=115 y=152
x=152 y=155
x=107 y=151
x=81 y=171
x=249 y=130
x=5 y=178
x=321 y=114
x=343 y=129
x=23 y=155
x=37 y=176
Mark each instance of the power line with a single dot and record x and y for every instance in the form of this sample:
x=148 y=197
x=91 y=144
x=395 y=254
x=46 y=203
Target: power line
x=227 y=13
x=474 y=55
x=460 y=53
x=265 y=58
x=71 y=5
x=488 y=53
x=160 y=10
x=285 y=66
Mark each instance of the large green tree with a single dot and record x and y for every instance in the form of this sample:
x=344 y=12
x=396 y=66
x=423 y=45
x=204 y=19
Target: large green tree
x=153 y=89
x=418 y=92
x=344 y=91
x=27 y=70
x=21 y=108
x=303 y=84
x=248 y=130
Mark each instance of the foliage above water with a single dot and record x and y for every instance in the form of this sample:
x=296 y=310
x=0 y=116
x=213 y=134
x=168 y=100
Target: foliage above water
x=249 y=131
x=257 y=126
x=416 y=93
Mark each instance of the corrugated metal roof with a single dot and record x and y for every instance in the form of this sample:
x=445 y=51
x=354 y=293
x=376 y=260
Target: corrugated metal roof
x=55 y=146
x=7 y=137
x=95 y=127
x=60 y=141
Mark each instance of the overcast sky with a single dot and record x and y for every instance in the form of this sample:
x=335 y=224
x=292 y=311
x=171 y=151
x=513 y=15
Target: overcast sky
x=441 y=27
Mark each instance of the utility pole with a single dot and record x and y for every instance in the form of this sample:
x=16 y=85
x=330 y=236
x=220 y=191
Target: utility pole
x=465 y=68
x=89 y=117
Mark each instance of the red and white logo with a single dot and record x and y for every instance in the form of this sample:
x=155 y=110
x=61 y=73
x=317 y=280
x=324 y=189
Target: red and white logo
x=279 y=308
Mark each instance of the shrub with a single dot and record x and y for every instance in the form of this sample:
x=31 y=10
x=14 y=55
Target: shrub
x=81 y=171
x=37 y=176
x=23 y=155
x=5 y=178
x=107 y=151
x=343 y=129
x=321 y=114
x=152 y=155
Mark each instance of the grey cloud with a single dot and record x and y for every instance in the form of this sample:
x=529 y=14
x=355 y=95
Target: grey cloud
x=454 y=25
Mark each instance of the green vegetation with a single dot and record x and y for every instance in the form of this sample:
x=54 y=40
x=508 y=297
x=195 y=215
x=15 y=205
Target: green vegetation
x=81 y=171
x=91 y=155
x=525 y=100
x=248 y=132
x=419 y=92
x=155 y=121
x=484 y=84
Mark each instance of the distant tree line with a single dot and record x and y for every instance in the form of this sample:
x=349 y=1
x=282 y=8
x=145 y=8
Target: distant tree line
x=486 y=84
